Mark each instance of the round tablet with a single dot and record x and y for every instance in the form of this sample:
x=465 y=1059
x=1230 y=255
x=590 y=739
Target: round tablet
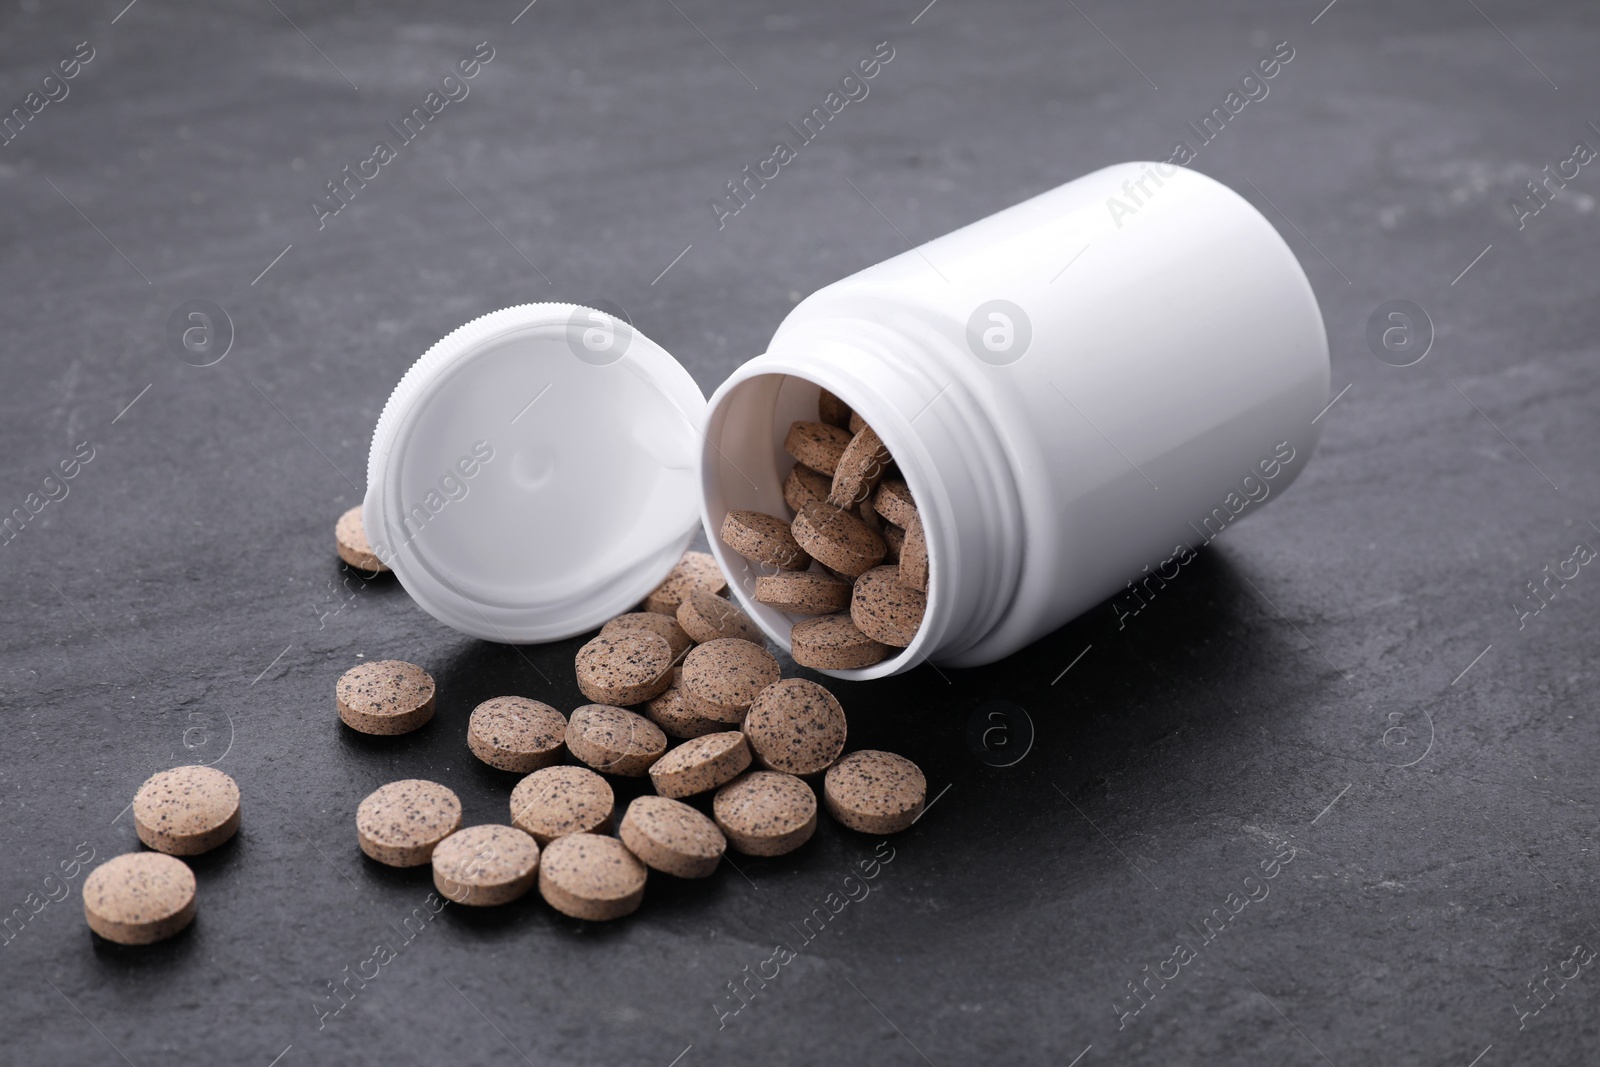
x=860 y=469
x=817 y=445
x=765 y=539
x=614 y=740
x=803 y=592
x=795 y=726
x=139 y=898
x=696 y=570
x=386 y=696
x=674 y=715
x=350 y=536
x=663 y=625
x=885 y=608
x=722 y=677
x=832 y=410
x=893 y=501
x=485 y=865
x=400 y=823
x=701 y=765
x=671 y=837
x=802 y=486
x=588 y=876
x=856 y=423
x=838 y=539
x=914 y=557
x=516 y=733
x=187 y=810
x=765 y=813
x=833 y=643
x=874 y=792
x=625 y=667
x=705 y=617
x=561 y=800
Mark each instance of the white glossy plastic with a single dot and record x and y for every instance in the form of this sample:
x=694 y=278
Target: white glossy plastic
x=1152 y=367
x=535 y=473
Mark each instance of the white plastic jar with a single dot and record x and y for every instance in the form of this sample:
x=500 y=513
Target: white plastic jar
x=1077 y=390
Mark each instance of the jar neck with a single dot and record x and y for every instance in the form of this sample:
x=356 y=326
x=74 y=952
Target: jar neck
x=924 y=395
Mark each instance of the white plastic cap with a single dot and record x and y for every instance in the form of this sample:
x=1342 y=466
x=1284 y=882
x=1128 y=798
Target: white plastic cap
x=536 y=472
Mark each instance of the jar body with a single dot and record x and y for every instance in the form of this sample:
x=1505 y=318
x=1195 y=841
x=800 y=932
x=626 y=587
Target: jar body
x=1080 y=390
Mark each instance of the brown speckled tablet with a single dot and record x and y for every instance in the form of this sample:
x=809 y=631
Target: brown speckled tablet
x=562 y=800
x=400 y=823
x=855 y=423
x=893 y=501
x=187 y=810
x=832 y=643
x=664 y=626
x=762 y=538
x=722 y=677
x=701 y=765
x=837 y=539
x=795 y=726
x=671 y=837
x=516 y=733
x=625 y=667
x=817 y=445
x=914 y=557
x=802 y=486
x=351 y=538
x=765 y=813
x=588 y=876
x=895 y=538
x=614 y=740
x=139 y=898
x=705 y=618
x=696 y=570
x=386 y=696
x=832 y=410
x=803 y=593
x=485 y=865
x=675 y=717
x=885 y=608
x=875 y=792
x=860 y=469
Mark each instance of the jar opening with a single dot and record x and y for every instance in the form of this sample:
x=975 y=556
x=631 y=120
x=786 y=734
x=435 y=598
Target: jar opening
x=745 y=467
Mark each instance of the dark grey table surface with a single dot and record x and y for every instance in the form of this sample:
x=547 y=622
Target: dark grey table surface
x=1342 y=692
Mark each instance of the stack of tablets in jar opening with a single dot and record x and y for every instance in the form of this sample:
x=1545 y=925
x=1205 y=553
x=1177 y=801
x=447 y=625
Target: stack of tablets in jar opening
x=853 y=558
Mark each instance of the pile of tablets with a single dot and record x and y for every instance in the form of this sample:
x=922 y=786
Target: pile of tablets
x=852 y=557
x=686 y=694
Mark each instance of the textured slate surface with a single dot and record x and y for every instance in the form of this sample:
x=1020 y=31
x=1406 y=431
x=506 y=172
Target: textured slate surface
x=1298 y=692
